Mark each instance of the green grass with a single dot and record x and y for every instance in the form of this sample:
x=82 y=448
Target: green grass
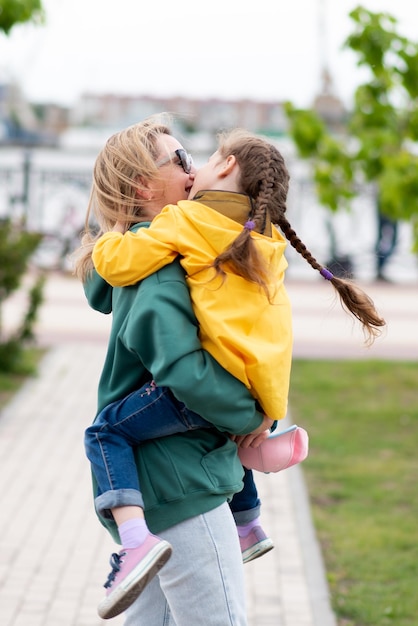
x=362 y=477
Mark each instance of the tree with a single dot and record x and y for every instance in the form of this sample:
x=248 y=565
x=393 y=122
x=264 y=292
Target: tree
x=380 y=145
x=18 y=11
x=16 y=244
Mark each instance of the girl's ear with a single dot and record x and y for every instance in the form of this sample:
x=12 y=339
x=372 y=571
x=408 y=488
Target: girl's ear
x=228 y=166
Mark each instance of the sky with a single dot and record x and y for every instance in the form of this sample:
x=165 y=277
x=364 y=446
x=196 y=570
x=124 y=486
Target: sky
x=265 y=50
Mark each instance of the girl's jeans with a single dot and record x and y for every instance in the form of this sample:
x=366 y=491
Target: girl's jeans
x=203 y=582
x=147 y=413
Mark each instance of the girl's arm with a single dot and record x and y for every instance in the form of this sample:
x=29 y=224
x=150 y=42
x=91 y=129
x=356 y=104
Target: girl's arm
x=126 y=259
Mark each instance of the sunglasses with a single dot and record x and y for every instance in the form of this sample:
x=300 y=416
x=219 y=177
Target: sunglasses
x=186 y=161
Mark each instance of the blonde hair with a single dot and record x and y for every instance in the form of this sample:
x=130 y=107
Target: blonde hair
x=125 y=163
x=265 y=179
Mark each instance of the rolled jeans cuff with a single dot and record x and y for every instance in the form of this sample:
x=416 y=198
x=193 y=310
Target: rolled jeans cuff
x=244 y=517
x=115 y=498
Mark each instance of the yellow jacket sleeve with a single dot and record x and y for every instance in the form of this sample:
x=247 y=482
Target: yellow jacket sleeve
x=126 y=259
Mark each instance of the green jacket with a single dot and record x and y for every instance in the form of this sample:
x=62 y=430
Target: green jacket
x=154 y=330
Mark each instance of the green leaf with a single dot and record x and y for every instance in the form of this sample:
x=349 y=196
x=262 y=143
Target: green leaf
x=378 y=144
x=19 y=11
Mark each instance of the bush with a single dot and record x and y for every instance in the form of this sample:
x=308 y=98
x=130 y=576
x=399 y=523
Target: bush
x=16 y=248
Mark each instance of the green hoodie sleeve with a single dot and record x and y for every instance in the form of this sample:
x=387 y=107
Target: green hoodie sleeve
x=98 y=293
x=162 y=329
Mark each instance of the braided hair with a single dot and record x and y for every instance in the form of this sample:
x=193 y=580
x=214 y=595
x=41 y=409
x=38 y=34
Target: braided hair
x=265 y=179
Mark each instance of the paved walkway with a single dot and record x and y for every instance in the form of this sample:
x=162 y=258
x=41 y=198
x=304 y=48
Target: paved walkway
x=54 y=553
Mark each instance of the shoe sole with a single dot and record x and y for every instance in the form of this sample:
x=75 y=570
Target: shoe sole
x=136 y=581
x=257 y=550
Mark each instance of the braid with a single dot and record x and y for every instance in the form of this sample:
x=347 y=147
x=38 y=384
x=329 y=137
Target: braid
x=264 y=199
x=353 y=299
x=265 y=179
x=257 y=177
x=297 y=243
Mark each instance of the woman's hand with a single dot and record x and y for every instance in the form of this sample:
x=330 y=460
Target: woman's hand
x=256 y=437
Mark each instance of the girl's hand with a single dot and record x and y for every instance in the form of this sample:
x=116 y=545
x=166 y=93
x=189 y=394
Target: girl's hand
x=245 y=441
x=256 y=437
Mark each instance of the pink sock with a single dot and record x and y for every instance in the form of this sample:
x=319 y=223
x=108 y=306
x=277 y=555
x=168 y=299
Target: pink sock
x=244 y=529
x=133 y=532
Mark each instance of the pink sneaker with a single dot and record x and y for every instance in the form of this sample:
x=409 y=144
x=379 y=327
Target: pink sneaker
x=255 y=544
x=132 y=569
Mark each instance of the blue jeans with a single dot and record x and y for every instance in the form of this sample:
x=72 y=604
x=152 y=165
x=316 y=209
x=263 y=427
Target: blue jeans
x=147 y=413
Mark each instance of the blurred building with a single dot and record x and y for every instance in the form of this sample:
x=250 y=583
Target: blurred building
x=196 y=115
x=92 y=119
x=329 y=106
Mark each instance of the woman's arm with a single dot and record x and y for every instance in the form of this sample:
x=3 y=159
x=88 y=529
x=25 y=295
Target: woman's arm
x=98 y=293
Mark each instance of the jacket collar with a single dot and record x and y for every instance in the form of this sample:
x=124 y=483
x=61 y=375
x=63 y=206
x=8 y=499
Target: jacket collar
x=236 y=206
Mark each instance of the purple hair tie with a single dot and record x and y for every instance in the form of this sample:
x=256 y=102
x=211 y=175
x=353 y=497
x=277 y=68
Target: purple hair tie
x=326 y=273
x=249 y=225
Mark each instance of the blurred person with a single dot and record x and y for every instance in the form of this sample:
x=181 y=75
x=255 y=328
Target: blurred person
x=69 y=233
x=387 y=239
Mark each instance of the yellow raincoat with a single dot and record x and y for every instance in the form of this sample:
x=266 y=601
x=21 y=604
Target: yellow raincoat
x=248 y=334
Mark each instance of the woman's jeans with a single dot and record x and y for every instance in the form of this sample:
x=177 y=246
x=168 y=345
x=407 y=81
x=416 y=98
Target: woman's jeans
x=203 y=583
x=147 y=413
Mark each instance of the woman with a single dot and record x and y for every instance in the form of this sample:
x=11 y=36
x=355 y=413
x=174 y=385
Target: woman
x=187 y=479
